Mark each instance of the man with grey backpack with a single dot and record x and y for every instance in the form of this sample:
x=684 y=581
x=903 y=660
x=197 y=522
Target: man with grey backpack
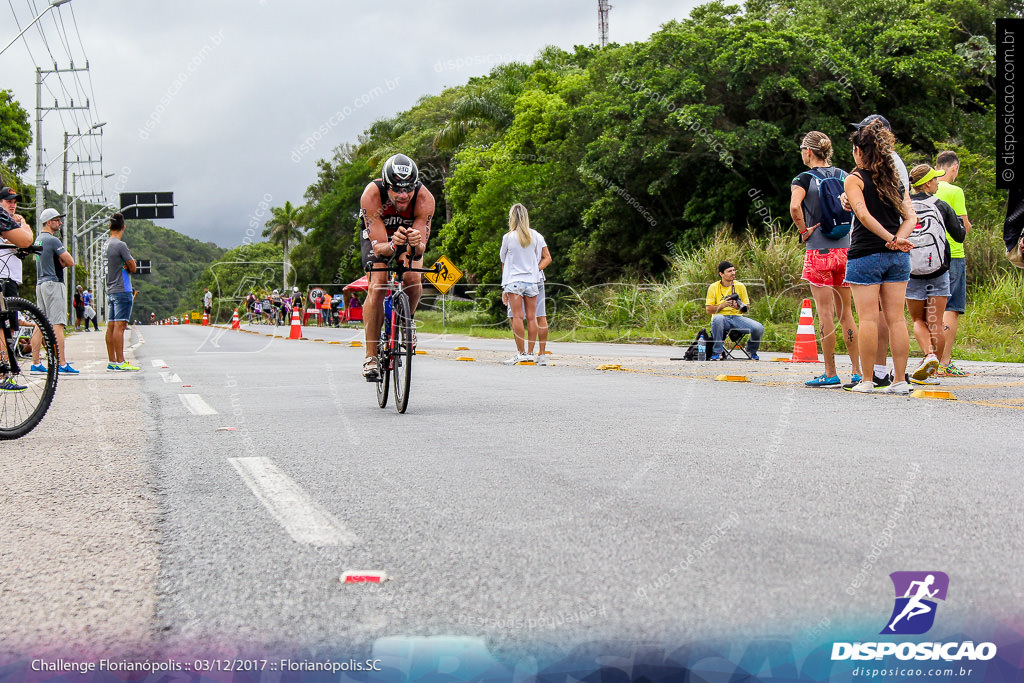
x=929 y=288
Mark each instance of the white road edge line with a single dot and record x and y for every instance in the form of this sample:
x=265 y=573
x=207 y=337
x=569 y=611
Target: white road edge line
x=169 y=377
x=302 y=517
x=196 y=405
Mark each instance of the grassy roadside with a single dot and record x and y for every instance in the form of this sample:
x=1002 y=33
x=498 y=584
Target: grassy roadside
x=671 y=310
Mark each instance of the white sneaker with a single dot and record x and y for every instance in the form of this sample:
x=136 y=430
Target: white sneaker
x=518 y=358
x=541 y=360
x=929 y=364
x=867 y=387
x=529 y=358
x=929 y=381
x=901 y=388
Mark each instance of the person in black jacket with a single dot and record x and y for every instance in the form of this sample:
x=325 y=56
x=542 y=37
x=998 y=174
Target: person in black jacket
x=928 y=288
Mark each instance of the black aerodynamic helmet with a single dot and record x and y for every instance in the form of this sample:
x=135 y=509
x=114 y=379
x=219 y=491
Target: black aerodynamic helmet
x=400 y=173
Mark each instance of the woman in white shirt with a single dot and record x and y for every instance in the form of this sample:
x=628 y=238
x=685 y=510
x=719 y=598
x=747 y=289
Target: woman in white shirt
x=520 y=274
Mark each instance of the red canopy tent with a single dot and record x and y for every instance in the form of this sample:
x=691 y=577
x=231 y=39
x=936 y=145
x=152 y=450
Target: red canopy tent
x=354 y=314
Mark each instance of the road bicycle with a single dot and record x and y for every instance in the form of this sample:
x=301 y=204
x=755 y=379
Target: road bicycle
x=396 y=344
x=24 y=397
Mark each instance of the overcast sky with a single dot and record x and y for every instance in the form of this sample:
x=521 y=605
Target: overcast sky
x=213 y=99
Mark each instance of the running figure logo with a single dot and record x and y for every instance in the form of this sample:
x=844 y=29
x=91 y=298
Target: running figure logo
x=916 y=601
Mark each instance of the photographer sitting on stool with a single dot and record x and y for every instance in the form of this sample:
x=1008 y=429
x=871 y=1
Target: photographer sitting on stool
x=726 y=301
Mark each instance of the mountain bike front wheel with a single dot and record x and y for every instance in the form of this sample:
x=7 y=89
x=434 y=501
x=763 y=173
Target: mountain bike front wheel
x=24 y=396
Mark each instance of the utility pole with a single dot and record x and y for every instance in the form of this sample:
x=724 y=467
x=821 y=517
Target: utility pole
x=602 y=20
x=40 y=109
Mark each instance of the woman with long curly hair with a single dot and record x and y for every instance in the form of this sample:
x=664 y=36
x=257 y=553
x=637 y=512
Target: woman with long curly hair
x=878 y=263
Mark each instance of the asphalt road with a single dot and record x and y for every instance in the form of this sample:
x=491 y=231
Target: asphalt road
x=548 y=506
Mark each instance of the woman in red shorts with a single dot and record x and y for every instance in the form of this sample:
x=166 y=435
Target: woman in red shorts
x=824 y=258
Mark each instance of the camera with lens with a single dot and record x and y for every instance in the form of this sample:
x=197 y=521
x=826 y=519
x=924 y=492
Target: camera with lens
x=739 y=303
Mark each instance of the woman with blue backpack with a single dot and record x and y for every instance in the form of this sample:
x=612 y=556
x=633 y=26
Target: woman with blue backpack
x=929 y=268
x=824 y=228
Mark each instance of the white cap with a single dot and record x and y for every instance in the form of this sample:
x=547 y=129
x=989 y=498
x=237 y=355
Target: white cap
x=49 y=215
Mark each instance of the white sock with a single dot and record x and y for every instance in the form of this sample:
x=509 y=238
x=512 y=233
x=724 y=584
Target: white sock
x=881 y=371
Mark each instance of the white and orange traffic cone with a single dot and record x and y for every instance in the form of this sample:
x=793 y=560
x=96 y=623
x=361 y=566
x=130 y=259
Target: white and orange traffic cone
x=235 y=325
x=296 y=332
x=805 y=349
x=206 y=319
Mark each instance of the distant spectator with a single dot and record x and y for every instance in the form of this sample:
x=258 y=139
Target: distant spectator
x=949 y=162
x=88 y=312
x=725 y=301
x=51 y=292
x=878 y=265
x=824 y=257
x=207 y=302
x=79 y=307
x=520 y=276
x=120 y=298
x=325 y=307
x=927 y=293
x=1013 y=228
x=354 y=302
x=544 y=260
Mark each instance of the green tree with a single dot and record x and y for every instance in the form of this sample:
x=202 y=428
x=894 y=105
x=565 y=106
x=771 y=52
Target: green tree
x=284 y=227
x=15 y=134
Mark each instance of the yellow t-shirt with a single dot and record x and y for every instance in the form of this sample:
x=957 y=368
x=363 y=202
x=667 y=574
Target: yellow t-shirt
x=954 y=196
x=716 y=292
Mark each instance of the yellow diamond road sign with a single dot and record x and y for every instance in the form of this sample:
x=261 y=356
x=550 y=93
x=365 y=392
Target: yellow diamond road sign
x=446 y=277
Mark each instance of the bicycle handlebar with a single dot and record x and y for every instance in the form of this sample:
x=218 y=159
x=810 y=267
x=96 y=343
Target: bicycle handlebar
x=22 y=252
x=436 y=268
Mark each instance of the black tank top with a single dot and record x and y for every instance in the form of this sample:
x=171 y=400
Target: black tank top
x=864 y=242
x=390 y=215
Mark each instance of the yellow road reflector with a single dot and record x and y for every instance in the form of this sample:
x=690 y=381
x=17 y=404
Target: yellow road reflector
x=526 y=362
x=465 y=358
x=609 y=366
x=318 y=340
x=929 y=393
x=782 y=360
x=461 y=348
x=420 y=353
x=732 y=378
x=334 y=342
x=355 y=343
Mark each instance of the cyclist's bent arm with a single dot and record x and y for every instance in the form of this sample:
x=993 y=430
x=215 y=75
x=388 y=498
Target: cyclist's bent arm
x=422 y=219
x=370 y=208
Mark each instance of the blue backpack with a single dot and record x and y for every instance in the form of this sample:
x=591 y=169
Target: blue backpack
x=835 y=221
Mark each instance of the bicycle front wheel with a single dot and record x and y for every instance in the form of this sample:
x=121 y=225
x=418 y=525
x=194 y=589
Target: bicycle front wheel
x=402 y=351
x=24 y=396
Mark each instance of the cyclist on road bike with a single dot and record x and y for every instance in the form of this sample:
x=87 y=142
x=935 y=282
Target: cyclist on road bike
x=395 y=209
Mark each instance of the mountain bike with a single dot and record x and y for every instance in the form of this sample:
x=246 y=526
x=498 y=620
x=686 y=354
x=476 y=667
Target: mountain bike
x=24 y=397
x=396 y=344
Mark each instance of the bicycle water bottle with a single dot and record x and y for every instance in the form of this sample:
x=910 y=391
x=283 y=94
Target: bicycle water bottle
x=387 y=316
x=701 y=349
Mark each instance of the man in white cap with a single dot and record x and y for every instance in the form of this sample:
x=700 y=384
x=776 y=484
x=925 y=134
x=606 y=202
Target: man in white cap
x=51 y=292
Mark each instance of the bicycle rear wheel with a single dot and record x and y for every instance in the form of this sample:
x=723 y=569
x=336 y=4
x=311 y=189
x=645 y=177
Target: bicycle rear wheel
x=402 y=351
x=21 y=409
x=383 y=371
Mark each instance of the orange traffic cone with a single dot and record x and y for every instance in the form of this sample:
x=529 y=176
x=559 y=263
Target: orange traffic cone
x=206 y=319
x=185 y=319
x=296 y=332
x=234 y=321
x=805 y=350
x=175 y=320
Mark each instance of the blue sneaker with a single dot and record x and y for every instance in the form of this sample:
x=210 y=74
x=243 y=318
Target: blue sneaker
x=855 y=378
x=8 y=384
x=716 y=356
x=754 y=356
x=38 y=369
x=66 y=369
x=823 y=381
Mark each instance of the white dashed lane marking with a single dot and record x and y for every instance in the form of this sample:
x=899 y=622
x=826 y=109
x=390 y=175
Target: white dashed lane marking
x=196 y=405
x=302 y=517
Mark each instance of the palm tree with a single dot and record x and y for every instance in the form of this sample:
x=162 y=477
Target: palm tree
x=284 y=227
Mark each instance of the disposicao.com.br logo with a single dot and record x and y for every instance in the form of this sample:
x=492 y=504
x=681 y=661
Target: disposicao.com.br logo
x=913 y=613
